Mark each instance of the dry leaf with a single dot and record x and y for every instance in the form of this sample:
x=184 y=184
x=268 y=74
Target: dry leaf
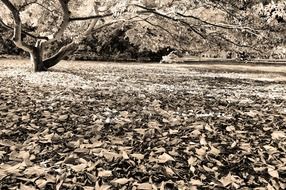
x=214 y=151
x=203 y=141
x=26 y=187
x=63 y=117
x=196 y=182
x=153 y=125
x=195 y=133
x=105 y=173
x=137 y=156
x=110 y=156
x=192 y=161
x=230 y=128
x=79 y=167
x=125 y=155
x=144 y=186
x=193 y=169
x=226 y=180
x=278 y=135
x=102 y=187
x=201 y=151
x=35 y=170
x=165 y=158
x=121 y=181
x=41 y=183
x=173 y=132
x=274 y=173
x=169 y=171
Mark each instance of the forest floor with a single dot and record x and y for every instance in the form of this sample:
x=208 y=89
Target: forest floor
x=86 y=125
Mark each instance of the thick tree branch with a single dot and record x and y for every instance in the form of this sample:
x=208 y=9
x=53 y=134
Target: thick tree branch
x=65 y=22
x=23 y=32
x=63 y=52
x=17 y=38
x=90 y=17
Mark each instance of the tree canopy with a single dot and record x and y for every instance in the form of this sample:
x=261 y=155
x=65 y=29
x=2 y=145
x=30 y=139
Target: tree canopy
x=190 y=25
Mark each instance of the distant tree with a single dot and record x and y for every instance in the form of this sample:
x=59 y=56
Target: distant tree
x=38 y=24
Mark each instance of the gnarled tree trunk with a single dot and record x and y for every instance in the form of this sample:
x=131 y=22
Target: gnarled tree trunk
x=36 y=56
x=36 y=51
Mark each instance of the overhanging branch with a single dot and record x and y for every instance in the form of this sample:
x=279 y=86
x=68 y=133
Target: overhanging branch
x=219 y=25
x=154 y=11
x=89 y=17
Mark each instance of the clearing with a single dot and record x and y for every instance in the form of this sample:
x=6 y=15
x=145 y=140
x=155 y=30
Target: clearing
x=87 y=125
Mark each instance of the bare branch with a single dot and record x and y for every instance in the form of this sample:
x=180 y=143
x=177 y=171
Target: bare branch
x=154 y=11
x=65 y=22
x=90 y=17
x=17 y=38
x=162 y=28
x=222 y=37
x=23 y=32
x=220 y=25
x=64 y=51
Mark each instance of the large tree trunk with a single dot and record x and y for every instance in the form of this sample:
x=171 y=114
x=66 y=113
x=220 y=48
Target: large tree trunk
x=37 y=58
x=62 y=53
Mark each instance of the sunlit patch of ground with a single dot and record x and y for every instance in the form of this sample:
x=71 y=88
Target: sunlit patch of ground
x=88 y=125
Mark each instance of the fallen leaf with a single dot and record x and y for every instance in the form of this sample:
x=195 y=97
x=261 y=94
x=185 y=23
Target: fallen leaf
x=78 y=168
x=278 y=135
x=203 y=140
x=165 y=158
x=63 y=117
x=121 y=181
x=230 y=128
x=226 y=180
x=26 y=187
x=192 y=161
x=35 y=170
x=214 y=151
x=144 y=186
x=105 y=173
x=153 y=125
x=41 y=183
x=125 y=155
x=110 y=156
x=169 y=171
x=137 y=156
x=101 y=187
x=272 y=172
x=193 y=169
x=173 y=132
x=201 y=151
x=196 y=182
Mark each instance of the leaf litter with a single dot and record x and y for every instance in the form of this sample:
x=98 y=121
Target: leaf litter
x=130 y=126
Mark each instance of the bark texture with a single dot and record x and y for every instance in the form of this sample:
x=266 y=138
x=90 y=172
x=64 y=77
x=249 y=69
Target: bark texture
x=37 y=57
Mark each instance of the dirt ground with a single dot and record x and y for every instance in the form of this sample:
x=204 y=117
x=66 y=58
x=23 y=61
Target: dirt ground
x=87 y=125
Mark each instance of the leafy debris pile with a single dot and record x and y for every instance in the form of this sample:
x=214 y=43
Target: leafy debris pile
x=140 y=127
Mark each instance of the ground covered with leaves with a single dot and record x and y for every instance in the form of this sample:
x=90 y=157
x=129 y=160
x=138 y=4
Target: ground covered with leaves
x=102 y=126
